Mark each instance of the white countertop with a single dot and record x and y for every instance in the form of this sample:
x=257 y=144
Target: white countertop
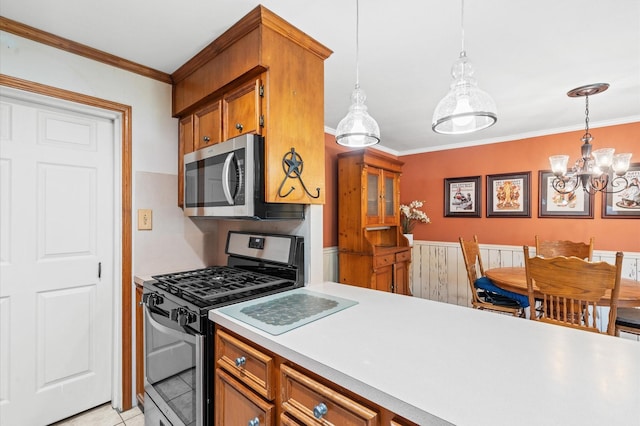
x=434 y=363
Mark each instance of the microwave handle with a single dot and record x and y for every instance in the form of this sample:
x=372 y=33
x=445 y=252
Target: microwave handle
x=225 y=178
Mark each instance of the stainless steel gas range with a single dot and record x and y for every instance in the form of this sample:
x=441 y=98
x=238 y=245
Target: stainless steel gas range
x=179 y=352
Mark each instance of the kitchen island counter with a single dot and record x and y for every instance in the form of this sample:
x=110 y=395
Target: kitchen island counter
x=437 y=363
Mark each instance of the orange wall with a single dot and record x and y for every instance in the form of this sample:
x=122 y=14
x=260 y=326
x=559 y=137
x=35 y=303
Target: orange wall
x=330 y=212
x=423 y=179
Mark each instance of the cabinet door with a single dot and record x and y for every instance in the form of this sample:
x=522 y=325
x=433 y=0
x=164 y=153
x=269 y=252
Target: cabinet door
x=384 y=278
x=401 y=272
x=236 y=404
x=185 y=146
x=208 y=125
x=373 y=197
x=388 y=200
x=400 y=278
x=242 y=110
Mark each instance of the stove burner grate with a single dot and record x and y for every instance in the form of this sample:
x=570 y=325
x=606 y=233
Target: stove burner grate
x=215 y=282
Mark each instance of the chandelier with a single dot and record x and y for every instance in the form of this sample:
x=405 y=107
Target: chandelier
x=597 y=171
x=466 y=108
x=358 y=129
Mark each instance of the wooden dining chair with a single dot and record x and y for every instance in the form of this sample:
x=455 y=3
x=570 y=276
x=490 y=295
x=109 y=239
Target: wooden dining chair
x=564 y=248
x=570 y=288
x=483 y=299
x=628 y=320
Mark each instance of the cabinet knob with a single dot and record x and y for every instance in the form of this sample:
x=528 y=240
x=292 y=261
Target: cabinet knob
x=319 y=410
x=206 y=138
x=239 y=127
x=241 y=361
x=254 y=422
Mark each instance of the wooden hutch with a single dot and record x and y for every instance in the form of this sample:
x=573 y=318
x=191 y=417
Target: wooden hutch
x=373 y=253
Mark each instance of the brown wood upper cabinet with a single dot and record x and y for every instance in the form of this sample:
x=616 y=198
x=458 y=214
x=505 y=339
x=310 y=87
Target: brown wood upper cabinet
x=243 y=111
x=236 y=113
x=185 y=146
x=207 y=124
x=261 y=76
x=382 y=190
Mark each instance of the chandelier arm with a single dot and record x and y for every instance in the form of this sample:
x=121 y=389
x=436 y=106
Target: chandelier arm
x=565 y=184
x=619 y=182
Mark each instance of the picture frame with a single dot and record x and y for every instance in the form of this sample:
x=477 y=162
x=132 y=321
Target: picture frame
x=509 y=195
x=574 y=205
x=624 y=204
x=462 y=196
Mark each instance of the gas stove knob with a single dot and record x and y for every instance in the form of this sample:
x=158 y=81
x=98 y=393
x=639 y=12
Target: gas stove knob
x=152 y=299
x=174 y=314
x=183 y=316
x=188 y=317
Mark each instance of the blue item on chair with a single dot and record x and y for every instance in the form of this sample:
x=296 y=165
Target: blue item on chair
x=485 y=283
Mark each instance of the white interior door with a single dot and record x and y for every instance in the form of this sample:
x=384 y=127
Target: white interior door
x=56 y=261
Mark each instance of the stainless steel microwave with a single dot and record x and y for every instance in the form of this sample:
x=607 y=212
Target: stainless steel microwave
x=226 y=180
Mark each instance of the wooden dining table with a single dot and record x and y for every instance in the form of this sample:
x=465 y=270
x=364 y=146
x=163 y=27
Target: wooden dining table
x=515 y=279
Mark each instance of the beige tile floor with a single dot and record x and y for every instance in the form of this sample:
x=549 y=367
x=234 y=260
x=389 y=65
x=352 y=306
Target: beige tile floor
x=105 y=415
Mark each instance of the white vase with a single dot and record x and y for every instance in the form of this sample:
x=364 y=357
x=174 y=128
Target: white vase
x=409 y=238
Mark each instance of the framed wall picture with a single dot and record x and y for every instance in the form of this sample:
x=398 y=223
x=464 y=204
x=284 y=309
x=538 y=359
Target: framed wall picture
x=509 y=195
x=624 y=204
x=575 y=204
x=462 y=197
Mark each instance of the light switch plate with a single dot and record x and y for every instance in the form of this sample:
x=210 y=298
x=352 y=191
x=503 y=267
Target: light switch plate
x=144 y=219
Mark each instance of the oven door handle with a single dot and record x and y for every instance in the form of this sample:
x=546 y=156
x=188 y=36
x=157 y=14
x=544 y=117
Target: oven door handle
x=181 y=335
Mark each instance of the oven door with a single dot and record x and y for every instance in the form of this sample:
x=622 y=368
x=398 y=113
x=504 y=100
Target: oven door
x=173 y=370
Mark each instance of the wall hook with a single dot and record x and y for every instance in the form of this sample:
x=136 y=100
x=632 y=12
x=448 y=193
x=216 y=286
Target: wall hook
x=292 y=165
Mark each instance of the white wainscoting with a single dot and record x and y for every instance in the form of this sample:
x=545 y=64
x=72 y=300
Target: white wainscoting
x=438 y=273
x=330 y=264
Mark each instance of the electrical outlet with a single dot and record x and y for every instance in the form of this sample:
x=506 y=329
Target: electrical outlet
x=144 y=219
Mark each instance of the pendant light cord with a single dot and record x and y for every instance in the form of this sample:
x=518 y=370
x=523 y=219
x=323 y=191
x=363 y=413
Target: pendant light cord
x=462 y=27
x=357 y=44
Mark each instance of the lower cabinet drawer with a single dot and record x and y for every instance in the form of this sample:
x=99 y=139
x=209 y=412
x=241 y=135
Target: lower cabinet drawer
x=286 y=420
x=236 y=404
x=403 y=256
x=247 y=363
x=312 y=403
x=380 y=261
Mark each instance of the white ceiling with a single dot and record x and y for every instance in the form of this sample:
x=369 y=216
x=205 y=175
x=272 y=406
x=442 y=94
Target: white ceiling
x=527 y=54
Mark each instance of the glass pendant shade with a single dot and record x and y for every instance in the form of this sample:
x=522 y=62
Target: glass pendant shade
x=466 y=108
x=559 y=164
x=621 y=163
x=358 y=128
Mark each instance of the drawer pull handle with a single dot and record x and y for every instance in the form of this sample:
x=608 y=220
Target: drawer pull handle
x=241 y=361
x=206 y=138
x=319 y=410
x=254 y=422
x=239 y=127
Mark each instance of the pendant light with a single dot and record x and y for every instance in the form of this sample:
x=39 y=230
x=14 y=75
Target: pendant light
x=358 y=129
x=466 y=108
